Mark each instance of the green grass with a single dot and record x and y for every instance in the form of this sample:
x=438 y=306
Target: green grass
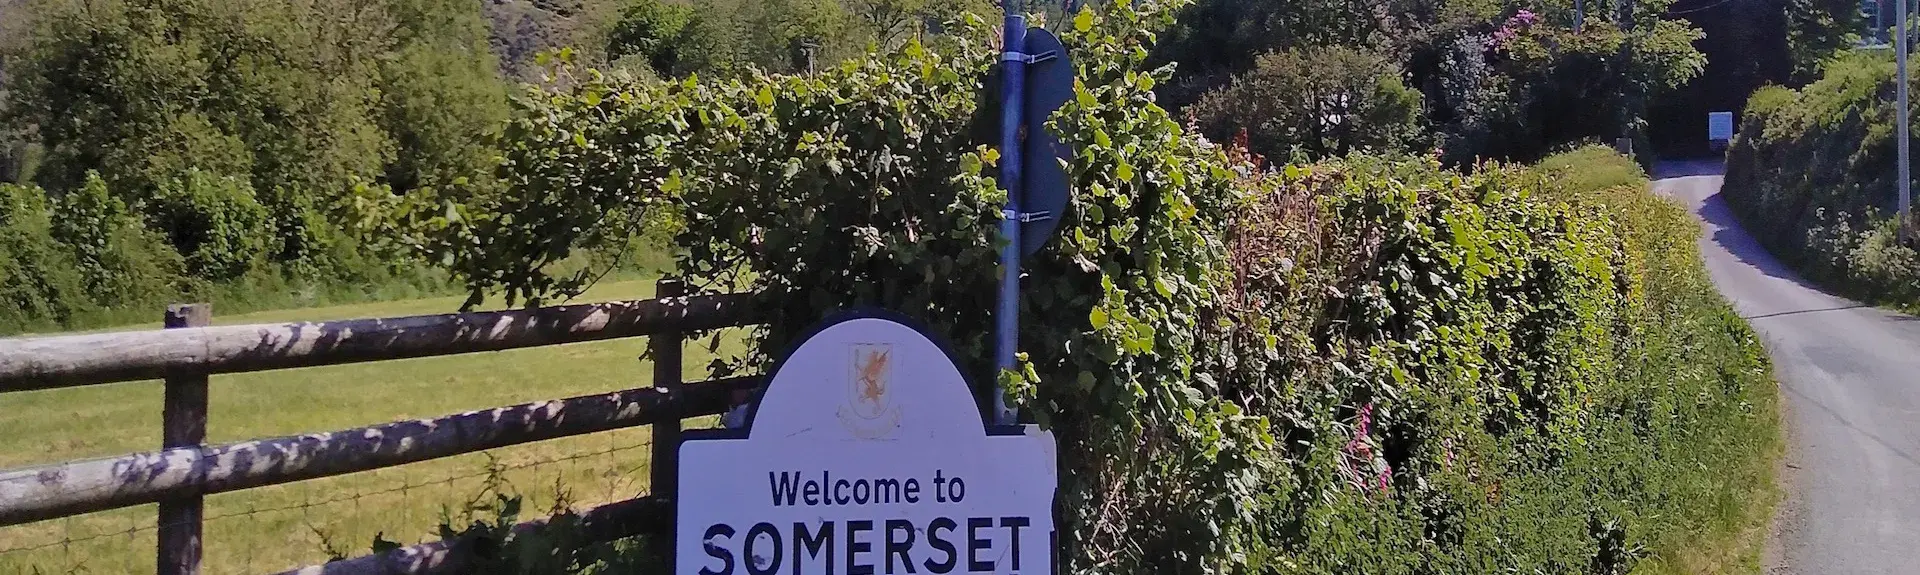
x=1591 y=168
x=274 y=528
x=1722 y=488
x=1733 y=537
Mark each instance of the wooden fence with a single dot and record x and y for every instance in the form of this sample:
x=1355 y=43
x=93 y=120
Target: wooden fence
x=186 y=469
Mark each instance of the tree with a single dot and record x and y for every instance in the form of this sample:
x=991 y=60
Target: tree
x=12 y=147
x=1485 y=99
x=652 y=30
x=293 y=104
x=1217 y=38
x=1817 y=30
x=1749 y=44
x=1316 y=102
x=890 y=22
x=520 y=30
x=1563 y=87
x=794 y=35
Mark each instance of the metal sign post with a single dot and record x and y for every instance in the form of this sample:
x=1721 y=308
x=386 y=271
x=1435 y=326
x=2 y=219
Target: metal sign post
x=1012 y=104
x=1037 y=80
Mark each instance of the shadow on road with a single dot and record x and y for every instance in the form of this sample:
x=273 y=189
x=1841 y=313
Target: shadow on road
x=1689 y=168
x=1730 y=235
x=1842 y=420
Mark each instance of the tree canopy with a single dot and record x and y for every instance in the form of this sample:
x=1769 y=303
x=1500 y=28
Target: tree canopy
x=1499 y=79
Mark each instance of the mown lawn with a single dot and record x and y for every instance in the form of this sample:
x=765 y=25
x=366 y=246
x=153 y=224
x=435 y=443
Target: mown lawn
x=275 y=528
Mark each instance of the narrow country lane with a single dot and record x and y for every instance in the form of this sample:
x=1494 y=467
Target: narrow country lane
x=1850 y=375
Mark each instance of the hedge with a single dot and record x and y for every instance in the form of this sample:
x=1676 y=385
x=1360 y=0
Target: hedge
x=1813 y=175
x=1372 y=365
x=85 y=260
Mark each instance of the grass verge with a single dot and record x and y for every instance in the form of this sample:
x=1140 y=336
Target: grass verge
x=1729 y=500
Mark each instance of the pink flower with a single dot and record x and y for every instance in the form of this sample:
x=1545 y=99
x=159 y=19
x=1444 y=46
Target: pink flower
x=1360 y=453
x=1511 y=29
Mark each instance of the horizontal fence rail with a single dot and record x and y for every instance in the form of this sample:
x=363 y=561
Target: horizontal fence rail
x=38 y=493
x=184 y=469
x=33 y=363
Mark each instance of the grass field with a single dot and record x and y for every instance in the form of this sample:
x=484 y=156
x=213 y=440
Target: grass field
x=275 y=528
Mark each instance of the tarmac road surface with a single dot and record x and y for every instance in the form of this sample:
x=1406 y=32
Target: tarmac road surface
x=1850 y=375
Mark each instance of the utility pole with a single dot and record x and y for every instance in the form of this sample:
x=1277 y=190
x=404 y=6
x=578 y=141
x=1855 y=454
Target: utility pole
x=1623 y=15
x=1906 y=176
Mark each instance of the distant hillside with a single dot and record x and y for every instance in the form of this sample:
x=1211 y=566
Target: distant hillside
x=523 y=28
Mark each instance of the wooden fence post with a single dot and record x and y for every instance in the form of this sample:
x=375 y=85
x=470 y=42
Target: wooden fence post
x=183 y=424
x=665 y=348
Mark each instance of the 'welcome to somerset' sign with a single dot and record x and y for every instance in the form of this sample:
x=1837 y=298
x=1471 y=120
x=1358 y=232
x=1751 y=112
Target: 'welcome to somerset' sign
x=866 y=455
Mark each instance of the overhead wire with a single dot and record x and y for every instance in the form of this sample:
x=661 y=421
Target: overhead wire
x=1670 y=11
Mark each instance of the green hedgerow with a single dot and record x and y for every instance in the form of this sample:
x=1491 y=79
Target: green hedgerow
x=1370 y=365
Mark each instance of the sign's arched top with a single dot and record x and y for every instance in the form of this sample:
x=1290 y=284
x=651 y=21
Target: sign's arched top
x=898 y=379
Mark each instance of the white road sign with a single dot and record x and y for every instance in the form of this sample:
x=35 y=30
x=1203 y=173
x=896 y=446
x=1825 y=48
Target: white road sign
x=866 y=454
x=1720 y=126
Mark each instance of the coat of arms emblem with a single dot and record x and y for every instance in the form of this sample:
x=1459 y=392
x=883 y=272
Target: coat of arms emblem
x=868 y=412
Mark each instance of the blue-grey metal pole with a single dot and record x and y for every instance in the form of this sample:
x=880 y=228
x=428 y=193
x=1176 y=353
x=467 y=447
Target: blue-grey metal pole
x=1012 y=97
x=1904 y=137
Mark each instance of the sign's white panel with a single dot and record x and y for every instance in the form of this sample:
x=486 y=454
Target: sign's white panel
x=867 y=455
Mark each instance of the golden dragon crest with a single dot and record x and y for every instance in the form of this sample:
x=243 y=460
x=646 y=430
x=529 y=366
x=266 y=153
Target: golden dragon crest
x=871 y=375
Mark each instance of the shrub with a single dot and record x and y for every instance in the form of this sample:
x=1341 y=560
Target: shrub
x=39 y=281
x=1316 y=103
x=84 y=260
x=1591 y=168
x=214 y=221
x=651 y=29
x=1884 y=265
x=124 y=263
x=1694 y=387
x=80 y=260
x=1441 y=360
x=86 y=222
x=1449 y=354
x=1500 y=80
